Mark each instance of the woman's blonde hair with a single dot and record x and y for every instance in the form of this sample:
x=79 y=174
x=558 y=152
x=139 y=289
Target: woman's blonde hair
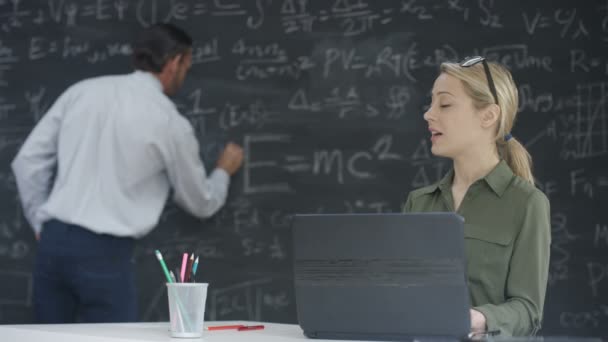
x=476 y=85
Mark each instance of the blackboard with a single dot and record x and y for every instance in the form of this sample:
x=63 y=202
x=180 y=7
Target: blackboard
x=327 y=98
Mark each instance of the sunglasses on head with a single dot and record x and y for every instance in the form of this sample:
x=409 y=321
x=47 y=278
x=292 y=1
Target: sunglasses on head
x=470 y=61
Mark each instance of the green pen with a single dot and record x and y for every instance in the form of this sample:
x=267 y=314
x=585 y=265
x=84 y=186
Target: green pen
x=162 y=264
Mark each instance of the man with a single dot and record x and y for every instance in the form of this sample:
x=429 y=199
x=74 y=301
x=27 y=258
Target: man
x=118 y=144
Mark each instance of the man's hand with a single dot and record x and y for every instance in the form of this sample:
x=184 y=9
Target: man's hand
x=231 y=158
x=478 y=322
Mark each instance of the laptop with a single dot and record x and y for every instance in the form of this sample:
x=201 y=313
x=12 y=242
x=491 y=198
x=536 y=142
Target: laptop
x=388 y=277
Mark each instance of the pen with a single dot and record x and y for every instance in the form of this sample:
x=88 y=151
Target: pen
x=189 y=268
x=194 y=267
x=183 y=272
x=250 y=327
x=483 y=334
x=162 y=264
x=224 y=327
x=173 y=277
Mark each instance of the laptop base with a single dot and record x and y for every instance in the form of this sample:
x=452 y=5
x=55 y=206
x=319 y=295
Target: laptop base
x=379 y=337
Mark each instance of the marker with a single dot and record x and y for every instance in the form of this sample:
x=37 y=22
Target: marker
x=184 y=262
x=162 y=264
x=189 y=268
x=194 y=267
x=250 y=327
x=224 y=327
x=481 y=334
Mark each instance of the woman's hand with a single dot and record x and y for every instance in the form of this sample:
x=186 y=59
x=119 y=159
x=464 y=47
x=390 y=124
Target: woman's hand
x=478 y=322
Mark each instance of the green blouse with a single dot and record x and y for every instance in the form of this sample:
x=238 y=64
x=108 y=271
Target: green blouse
x=507 y=244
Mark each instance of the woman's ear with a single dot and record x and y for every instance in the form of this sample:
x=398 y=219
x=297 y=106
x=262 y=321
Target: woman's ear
x=490 y=116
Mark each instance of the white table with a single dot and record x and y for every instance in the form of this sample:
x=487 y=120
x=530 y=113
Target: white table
x=137 y=332
x=113 y=332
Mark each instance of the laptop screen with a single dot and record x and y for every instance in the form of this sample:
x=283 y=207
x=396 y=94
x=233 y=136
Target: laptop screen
x=380 y=276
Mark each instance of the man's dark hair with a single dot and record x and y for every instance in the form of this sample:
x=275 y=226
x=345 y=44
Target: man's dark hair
x=155 y=45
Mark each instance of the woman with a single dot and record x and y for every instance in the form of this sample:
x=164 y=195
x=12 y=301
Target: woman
x=507 y=223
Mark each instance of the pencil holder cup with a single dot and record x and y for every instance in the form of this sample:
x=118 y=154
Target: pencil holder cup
x=187 y=308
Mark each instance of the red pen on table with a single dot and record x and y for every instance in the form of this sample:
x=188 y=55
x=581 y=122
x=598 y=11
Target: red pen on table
x=224 y=327
x=250 y=327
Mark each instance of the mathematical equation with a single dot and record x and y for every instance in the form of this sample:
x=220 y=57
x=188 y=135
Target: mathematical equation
x=354 y=17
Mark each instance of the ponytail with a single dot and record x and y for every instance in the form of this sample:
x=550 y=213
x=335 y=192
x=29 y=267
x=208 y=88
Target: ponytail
x=518 y=159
